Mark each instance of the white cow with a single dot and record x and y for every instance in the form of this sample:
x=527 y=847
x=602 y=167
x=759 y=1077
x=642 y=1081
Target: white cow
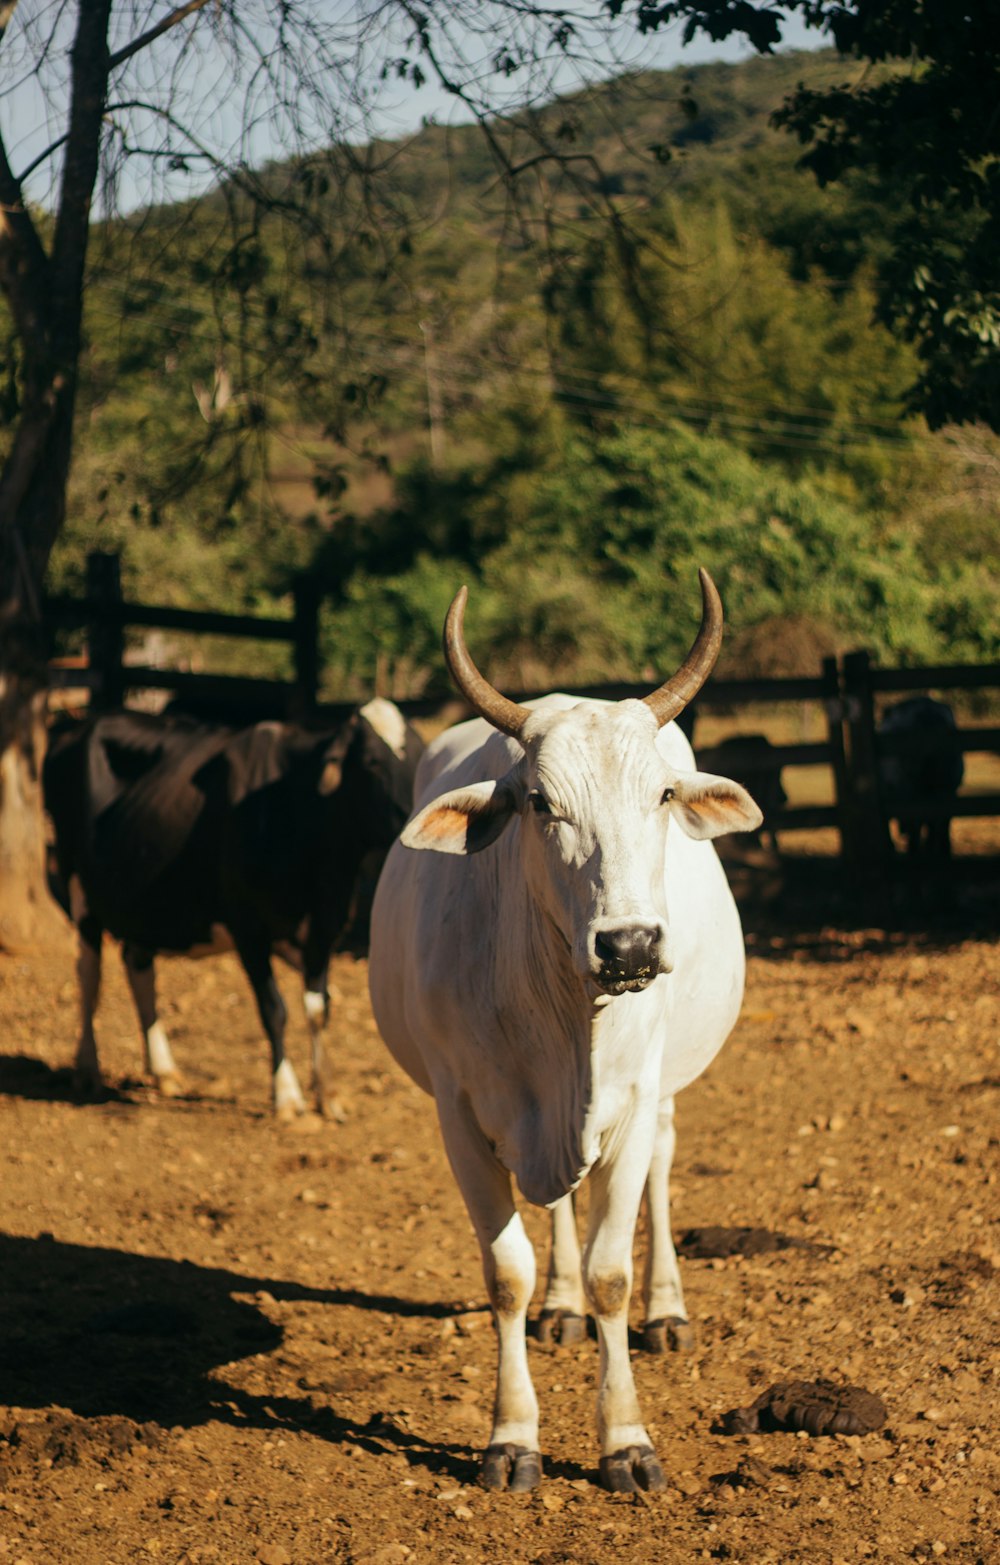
x=553 y=965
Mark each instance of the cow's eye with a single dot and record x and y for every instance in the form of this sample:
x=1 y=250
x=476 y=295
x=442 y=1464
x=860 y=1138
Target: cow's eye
x=539 y=803
x=668 y=794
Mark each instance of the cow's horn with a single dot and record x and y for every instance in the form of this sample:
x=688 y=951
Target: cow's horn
x=480 y=694
x=673 y=697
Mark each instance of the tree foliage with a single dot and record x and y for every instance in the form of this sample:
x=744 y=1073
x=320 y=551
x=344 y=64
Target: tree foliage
x=917 y=119
x=596 y=579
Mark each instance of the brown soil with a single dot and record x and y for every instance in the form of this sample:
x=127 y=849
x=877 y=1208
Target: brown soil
x=222 y=1340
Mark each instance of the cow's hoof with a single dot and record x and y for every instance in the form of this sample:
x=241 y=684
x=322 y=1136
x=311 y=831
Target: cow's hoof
x=563 y=1326
x=171 y=1085
x=331 y=1108
x=625 y=1472
x=511 y=1467
x=672 y=1334
x=89 y=1084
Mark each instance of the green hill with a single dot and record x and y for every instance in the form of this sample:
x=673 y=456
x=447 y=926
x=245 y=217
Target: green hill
x=656 y=349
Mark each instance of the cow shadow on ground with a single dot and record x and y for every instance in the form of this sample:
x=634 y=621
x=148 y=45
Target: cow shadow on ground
x=110 y=1336
x=25 y=1076
x=31 y=1079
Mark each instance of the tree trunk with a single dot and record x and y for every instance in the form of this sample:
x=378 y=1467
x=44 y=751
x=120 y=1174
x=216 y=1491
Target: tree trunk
x=45 y=296
x=28 y=529
x=28 y=915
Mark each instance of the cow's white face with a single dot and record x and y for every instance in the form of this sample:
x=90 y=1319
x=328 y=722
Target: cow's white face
x=594 y=797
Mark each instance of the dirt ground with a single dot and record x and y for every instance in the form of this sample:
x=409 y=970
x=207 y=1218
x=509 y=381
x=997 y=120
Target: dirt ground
x=222 y=1340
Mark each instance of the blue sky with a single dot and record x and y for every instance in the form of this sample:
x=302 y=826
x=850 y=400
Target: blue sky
x=31 y=118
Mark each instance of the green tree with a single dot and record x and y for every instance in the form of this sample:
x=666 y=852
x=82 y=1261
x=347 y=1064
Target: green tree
x=919 y=120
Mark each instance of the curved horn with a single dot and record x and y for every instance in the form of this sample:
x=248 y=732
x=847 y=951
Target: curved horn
x=673 y=697
x=506 y=715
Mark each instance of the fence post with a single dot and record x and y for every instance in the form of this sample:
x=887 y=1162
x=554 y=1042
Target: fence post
x=835 y=708
x=871 y=844
x=306 y=631
x=105 y=632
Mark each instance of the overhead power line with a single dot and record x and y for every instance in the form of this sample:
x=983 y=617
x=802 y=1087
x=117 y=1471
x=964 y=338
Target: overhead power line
x=796 y=427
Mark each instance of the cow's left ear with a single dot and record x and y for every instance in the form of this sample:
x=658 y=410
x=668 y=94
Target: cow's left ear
x=463 y=821
x=707 y=806
x=332 y=770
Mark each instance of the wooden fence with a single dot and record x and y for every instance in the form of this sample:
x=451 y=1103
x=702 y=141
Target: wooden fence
x=104 y=616
x=846 y=689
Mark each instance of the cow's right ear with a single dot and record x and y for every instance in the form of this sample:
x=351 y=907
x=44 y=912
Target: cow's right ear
x=332 y=772
x=463 y=821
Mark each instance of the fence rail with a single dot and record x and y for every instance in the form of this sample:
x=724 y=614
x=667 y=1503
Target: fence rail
x=846 y=690
x=104 y=614
x=72 y=612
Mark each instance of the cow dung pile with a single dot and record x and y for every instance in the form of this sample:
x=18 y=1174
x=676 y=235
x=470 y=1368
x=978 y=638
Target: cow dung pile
x=817 y=1406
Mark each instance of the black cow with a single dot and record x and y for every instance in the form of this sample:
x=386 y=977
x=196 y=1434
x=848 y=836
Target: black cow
x=920 y=770
x=170 y=833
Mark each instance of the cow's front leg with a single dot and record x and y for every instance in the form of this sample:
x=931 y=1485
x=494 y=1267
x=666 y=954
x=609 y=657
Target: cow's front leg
x=141 y=974
x=628 y=1461
x=254 y=953
x=512 y=1459
x=564 y=1313
x=666 y=1325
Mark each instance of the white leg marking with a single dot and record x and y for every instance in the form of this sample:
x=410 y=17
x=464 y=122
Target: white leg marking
x=315 y=1007
x=288 y=1099
x=156 y=1049
x=159 y=1059
x=512 y=1262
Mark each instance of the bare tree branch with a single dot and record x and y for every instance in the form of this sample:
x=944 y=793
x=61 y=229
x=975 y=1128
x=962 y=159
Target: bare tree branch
x=179 y=15
x=42 y=157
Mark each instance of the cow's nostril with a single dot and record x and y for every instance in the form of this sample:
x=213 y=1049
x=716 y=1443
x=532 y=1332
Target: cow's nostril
x=629 y=949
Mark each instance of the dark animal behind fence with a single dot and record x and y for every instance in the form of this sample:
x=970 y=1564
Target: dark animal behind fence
x=920 y=770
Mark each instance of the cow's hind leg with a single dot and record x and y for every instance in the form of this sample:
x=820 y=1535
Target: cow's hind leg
x=86 y=1068
x=666 y=1324
x=254 y=953
x=316 y=999
x=512 y=1459
x=564 y=1313
x=141 y=973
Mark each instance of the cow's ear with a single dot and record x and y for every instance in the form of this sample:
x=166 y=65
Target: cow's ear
x=330 y=777
x=332 y=770
x=707 y=806
x=463 y=821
